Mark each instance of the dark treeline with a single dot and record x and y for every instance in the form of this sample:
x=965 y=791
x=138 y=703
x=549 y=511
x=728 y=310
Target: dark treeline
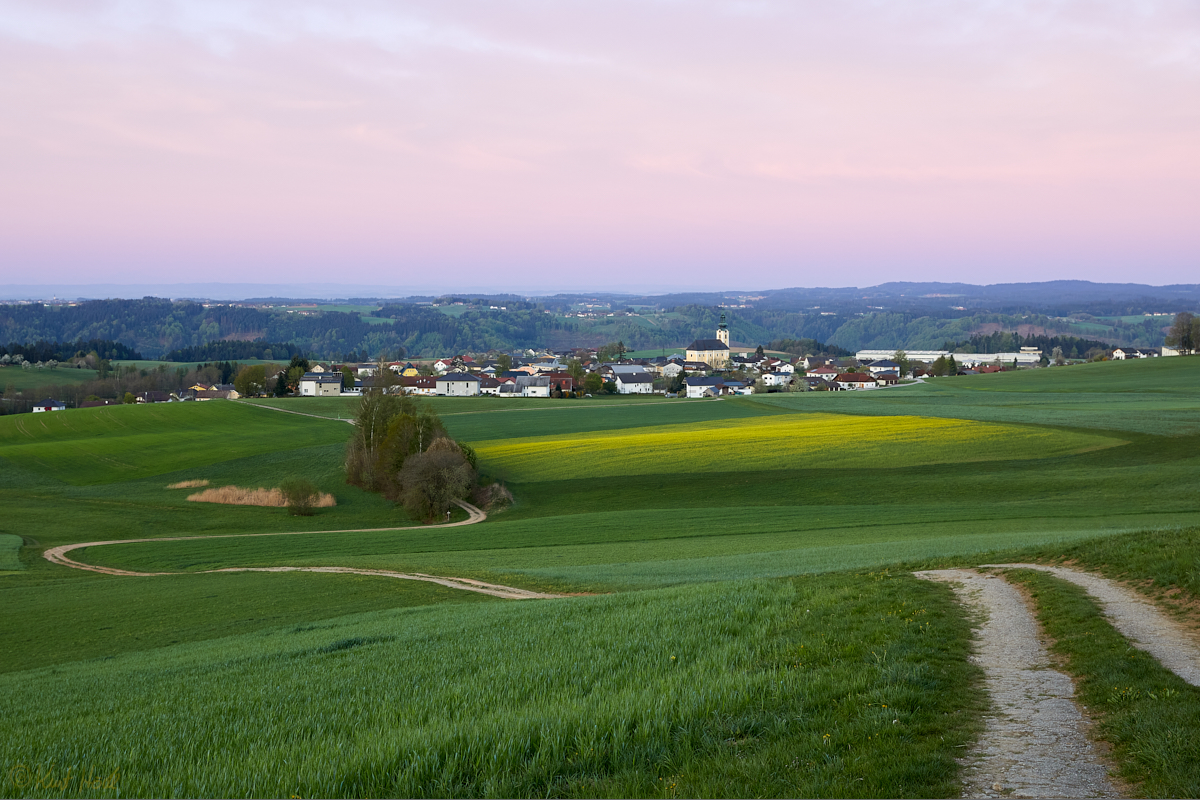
x=235 y=350
x=193 y=332
x=1008 y=342
x=808 y=347
x=43 y=350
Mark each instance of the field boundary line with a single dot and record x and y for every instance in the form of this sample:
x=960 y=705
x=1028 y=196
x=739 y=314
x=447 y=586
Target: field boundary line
x=297 y=413
x=58 y=555
x=1136 y=618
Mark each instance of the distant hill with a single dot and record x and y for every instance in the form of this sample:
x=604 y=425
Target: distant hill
x=892 y=315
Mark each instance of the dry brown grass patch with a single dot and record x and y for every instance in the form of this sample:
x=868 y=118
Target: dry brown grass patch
x=237 y=496
x=187 y=485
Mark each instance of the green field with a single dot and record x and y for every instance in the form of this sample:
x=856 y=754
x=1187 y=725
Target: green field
x=753 y=628
x=22 y=380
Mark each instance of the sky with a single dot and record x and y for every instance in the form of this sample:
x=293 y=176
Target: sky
x=646 y=145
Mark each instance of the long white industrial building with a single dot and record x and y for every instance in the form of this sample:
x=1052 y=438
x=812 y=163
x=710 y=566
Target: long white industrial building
x=1028 y=356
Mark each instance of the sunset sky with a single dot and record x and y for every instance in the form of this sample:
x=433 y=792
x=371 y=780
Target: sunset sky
x=607 y=144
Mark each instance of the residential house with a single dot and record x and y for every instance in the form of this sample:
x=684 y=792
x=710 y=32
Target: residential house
x=321 y=384
x=152 y=397
x=489 y=385
x=700 y=386
x=1124 y=353
x=774 y=379
x=854 y=380
x=458 y=384
x=825 y=373
x=418 y=384
x=887 y=379
x=562 y=381
x=635 y=383
x=883 y=365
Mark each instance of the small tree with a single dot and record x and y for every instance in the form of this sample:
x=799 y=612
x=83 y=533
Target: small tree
x=129 y=399
x=575 y=370
x=1057 y=355
x=431 y=481
x=301 y=496
x=1182 y=335
x=593 y=383
x=347 y=377
x=250 y=381
x=504 y=363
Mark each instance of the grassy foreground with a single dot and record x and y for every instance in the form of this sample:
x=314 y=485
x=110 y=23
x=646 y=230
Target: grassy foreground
x=826 y=686
x=726 y=534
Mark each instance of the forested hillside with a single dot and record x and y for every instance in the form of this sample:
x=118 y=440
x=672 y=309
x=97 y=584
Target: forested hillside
x=190 y=331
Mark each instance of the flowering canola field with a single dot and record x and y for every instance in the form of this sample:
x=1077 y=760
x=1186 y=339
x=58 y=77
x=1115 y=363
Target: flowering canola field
x=800 y=441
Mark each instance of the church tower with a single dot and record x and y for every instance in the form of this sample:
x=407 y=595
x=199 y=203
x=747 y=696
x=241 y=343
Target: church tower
x=723 y=331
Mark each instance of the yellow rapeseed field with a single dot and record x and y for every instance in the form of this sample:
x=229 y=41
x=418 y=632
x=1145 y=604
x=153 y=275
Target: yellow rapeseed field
x=798 y=441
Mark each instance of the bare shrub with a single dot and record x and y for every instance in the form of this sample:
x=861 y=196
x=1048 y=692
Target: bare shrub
x=300 y=495
x=493 y=497
x=237 y=496
x=193 y=484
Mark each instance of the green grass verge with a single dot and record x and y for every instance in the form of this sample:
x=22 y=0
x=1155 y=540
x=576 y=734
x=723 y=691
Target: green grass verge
x=1145 y=711
x=837 y=686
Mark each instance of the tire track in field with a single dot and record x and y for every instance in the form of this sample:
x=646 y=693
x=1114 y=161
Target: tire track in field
x=1140 y=621
x=58 y=555
x=1034 y=742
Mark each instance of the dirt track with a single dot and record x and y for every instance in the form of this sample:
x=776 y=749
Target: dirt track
x=58 y=555
x=1139 y=620
x=1035 y=740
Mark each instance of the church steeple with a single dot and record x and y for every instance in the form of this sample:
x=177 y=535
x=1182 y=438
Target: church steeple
x=723 y=331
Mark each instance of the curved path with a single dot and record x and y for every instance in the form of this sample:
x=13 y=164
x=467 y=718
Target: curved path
x=1140 y=621
x=1034 y=742
x=58 y=555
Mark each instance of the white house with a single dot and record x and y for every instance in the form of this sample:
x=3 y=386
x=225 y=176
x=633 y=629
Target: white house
x=321 y=384
x=883 y=365
x=1124 y=353
x=825 y=373
x=776 y=378
x=458 y=384
x=854 y=380
x=635 y=383
x=698 y=386
x=50 y=405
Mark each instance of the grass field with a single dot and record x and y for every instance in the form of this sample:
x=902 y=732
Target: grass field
x=790 y=688
x=22 y=380
x=763 y=542
x=822 y=441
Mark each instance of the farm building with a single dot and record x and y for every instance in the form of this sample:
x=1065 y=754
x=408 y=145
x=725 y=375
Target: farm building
x=49 y=405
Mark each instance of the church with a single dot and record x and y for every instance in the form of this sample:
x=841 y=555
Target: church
x=714 y=352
